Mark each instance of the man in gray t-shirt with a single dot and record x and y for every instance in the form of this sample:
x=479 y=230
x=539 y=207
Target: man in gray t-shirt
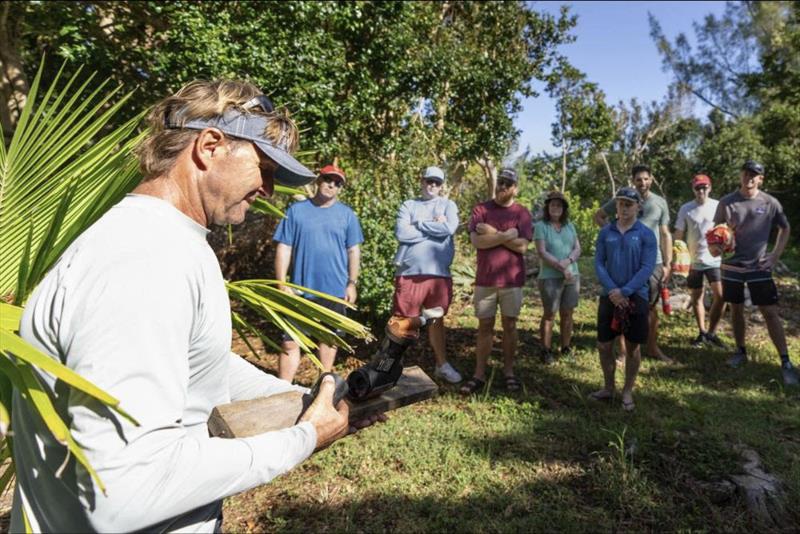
x=654 y=215
x=752 y=214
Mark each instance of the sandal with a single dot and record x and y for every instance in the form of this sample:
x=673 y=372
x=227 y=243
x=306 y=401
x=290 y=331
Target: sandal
x=513 y=383
x=628 y=405
x=601 y=396
x=473 y=385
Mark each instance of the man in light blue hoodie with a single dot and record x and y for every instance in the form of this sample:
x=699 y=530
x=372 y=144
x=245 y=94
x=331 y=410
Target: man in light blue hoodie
x=424 y=230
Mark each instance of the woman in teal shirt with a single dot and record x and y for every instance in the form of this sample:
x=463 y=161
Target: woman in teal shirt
x=559 y=282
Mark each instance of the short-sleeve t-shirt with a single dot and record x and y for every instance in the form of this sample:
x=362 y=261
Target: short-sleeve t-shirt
x=499 y=266
x=558 y=243
x=319 y=238
x=751 y=220
x=655 y=213
x=695 y=220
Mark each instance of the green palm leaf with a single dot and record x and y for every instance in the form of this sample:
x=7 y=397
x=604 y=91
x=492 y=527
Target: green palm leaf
x=53 y=170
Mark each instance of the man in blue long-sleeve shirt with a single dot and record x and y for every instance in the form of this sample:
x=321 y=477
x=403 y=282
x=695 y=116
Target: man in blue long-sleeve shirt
x=625 y=255
x=424 y=230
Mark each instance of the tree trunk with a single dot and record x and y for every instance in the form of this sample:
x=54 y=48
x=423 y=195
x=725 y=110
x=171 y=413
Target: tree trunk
x=564 y=149
x=610 y=176
x=457 y=179
x=490 y=173
x=13 y=83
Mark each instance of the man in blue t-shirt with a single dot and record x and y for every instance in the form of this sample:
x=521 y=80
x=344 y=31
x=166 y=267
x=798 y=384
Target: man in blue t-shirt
x=320 y=237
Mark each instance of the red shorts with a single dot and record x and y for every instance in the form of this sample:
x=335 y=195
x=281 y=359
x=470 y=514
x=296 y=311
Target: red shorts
x=413 y=293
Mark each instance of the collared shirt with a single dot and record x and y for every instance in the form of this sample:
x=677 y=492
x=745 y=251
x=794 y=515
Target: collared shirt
x=625 y=261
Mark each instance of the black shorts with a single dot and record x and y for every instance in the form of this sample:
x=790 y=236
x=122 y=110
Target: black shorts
x=339 y=308
x=695 y=278
x=637 y=326
x=655 y=284
x=763 y=291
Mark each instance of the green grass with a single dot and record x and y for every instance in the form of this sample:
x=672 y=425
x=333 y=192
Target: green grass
x=546 y=458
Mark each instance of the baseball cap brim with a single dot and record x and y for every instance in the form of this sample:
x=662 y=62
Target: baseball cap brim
x=251 y=127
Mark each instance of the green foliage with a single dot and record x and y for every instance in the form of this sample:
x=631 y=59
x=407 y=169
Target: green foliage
x=343 y=68
x=375 y=194
x=745 y=67
x=582 y=215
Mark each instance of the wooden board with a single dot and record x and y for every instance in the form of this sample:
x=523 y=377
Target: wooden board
x=248 y=418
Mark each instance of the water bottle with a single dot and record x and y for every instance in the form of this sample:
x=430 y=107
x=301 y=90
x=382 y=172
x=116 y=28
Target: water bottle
x=666 y=307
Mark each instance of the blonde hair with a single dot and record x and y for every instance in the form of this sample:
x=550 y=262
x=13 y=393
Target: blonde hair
x=202 y=99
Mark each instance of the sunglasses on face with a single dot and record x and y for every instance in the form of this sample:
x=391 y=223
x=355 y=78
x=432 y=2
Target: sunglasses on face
x=701 y=188
x=336 y=181
x=506 y=184
x=433 y=182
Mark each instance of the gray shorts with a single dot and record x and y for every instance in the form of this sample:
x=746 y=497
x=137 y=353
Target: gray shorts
x=557 y=295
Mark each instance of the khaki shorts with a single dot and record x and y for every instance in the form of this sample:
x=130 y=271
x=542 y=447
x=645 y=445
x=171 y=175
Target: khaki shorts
x=486 y=299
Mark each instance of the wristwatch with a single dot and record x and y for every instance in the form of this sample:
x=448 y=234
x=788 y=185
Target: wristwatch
x=352 y=282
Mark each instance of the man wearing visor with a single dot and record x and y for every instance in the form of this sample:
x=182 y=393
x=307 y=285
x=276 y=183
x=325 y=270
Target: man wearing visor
x=137 y=305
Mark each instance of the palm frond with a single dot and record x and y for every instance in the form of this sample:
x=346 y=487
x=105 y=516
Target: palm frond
x=54 y=166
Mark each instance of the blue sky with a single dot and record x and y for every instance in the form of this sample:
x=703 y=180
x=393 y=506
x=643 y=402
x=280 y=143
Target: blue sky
x=614 y=49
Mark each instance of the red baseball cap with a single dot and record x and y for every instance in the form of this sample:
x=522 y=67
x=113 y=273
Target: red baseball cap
x=700 y=179
x=332 y=170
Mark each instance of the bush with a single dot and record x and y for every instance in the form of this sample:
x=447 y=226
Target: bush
x=375 y=195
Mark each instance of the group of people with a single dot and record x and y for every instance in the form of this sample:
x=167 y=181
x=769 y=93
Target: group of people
x=633 y=257
x=633 y=262
x=138 y=306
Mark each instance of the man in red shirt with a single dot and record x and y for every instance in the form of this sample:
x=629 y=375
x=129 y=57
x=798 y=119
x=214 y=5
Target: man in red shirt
x=500 y=229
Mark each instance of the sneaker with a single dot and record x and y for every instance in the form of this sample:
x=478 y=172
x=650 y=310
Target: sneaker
x=789 y=373
x=449 y=373
x=698 y=341
x=738 y=359
x=547 y=357
x=713 y=339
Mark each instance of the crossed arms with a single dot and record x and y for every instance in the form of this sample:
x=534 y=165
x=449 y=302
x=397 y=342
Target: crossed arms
x=487 y=236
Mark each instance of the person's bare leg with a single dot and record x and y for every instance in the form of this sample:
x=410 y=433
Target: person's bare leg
x=775 y=327
x=717 y=304
x=566 y=326
x=699 y=308
x=737 y=322
x=621 y=351
x=288 y=361
x=652 y=339
x=327 y=355
x=509 y=344
x=632 y=362
x=546 y=329
x=609 y=366
x=483 y=346
x=436 y=337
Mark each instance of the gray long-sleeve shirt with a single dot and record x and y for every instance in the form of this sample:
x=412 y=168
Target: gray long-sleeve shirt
x=426 y=247
x=137 y=305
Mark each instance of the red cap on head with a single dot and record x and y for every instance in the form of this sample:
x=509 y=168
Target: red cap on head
x=700 y=179
x=332 y=170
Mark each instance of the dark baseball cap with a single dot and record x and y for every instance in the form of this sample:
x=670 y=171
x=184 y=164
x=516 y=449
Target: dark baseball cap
x=508 y=174
x=628 y=193
x=753 y=166
x=241 y=124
